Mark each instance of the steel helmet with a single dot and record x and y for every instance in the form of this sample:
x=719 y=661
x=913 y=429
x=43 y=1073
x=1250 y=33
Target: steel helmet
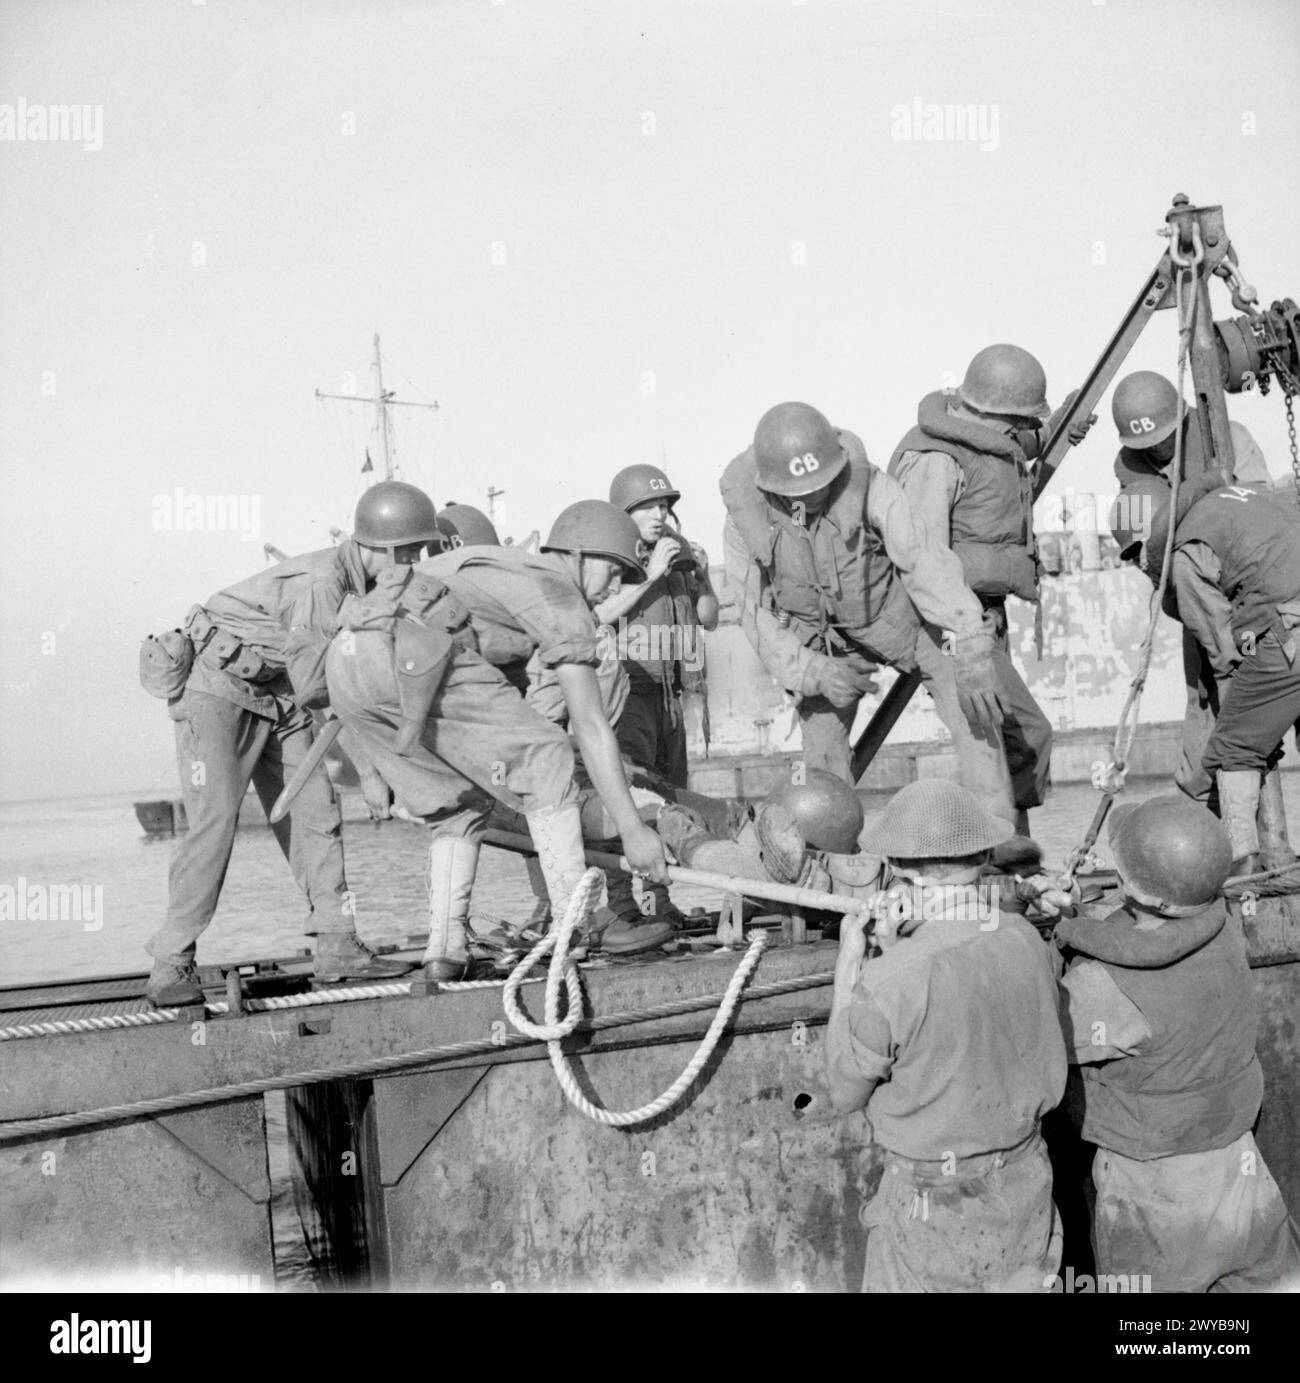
x=796 y=450
x=594 y=528
x=1145 y=409
x=394 y=514
x=1170 y=852
x=636 y=485
x=1133 y=512
x=1005 y=380
x=827 y=810
x=464 y=526
x=934 y=819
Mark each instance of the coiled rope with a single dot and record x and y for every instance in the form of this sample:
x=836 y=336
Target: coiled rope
x=563 y=973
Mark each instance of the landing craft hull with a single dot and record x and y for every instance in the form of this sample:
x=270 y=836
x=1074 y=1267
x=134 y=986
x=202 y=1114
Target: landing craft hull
x=478 y=1172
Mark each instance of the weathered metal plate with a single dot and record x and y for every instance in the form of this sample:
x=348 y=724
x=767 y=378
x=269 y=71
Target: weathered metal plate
x=172 y=1198
x=752 y=1183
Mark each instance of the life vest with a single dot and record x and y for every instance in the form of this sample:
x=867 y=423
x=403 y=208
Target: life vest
x=831 y=582
x=657 y=633
x=992 y=522
x=1256 y=538
x=1198 y=1084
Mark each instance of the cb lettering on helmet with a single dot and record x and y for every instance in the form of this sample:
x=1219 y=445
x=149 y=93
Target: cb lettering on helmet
x=658 y=484
x=801 y=465
x=1143 y=424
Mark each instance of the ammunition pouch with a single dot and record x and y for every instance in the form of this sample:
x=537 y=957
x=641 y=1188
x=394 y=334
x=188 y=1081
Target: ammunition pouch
x=165 y=663
x=426 y=625
x=225 y=651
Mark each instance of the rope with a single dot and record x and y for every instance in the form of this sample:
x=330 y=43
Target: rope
x=562 y=971
x=68 y=1026
x=1112 y=779
x=14 y=1129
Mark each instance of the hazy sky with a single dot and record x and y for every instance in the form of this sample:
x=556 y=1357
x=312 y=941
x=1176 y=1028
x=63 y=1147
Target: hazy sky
x=596 y=233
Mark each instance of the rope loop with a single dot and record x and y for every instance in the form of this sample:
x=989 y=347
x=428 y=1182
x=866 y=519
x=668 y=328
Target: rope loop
x=562 y=972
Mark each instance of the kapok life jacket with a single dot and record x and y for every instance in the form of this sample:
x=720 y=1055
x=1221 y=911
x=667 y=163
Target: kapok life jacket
x=1197 y=1085
x=659 y=634
x=833 y=581
x=992 y=522
x=1256 y=538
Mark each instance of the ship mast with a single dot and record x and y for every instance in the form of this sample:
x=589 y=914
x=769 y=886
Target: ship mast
x=381 y=400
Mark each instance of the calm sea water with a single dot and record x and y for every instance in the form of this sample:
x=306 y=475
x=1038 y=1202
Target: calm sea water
x=97 y=844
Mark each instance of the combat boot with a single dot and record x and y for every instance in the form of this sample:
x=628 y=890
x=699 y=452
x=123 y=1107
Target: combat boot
x=453 y=863
x=344 y=956
x=623 y=913
x=1239 y=805
x=174 y=983
x=557 y=834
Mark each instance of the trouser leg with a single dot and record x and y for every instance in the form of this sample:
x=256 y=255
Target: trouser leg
x=673 y=747
x=218 y=745
x=311 y=836
x=981 y=758
x=1202 y=708
x=1261 y=704
x=1026 y=731
x=651 y=734
x=825 y=733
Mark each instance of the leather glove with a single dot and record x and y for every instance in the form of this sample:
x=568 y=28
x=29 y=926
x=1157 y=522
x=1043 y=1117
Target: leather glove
x=1078 y=430
x=377 y=794
x=842 y=681
x=977 y=680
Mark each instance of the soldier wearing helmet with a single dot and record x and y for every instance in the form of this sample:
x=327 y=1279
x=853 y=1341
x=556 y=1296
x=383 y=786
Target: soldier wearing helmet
x=966 y=469
x=835 y=576
x=461 y=525
x=245 y=715
x=1235 y=586
x=656 y=622
x=1159 y=1011
x=951 y=1043
x=1145 y=408
x=449 y=729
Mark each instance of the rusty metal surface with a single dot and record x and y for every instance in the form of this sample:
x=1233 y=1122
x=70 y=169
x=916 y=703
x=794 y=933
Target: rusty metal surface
x=753 y=1183
x=189 y=1194
x=481 y=1172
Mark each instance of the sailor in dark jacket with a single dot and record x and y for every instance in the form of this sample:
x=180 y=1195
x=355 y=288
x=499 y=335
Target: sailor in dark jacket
x=1159 y=1009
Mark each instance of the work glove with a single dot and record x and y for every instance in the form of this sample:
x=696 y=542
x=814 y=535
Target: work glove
x=978 y=693
x=377 y=794
x=842 y=681
x=1078 y=430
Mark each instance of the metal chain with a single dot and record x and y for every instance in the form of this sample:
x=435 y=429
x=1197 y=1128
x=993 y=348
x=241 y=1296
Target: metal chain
x=1290 y=432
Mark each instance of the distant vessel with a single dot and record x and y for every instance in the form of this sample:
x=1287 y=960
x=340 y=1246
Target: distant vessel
x=163 y=817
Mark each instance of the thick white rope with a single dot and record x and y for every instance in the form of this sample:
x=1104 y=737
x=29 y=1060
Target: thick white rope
x=65 y=1027
x=563 y=971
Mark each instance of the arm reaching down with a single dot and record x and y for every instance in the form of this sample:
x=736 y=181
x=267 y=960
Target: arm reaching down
x=599 y=748
x=931 y=572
